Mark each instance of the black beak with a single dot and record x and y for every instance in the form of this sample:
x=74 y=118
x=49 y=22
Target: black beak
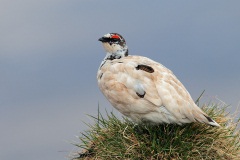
x=104 y=39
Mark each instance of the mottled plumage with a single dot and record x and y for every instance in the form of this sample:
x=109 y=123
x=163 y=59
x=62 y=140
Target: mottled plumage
x=143 y=89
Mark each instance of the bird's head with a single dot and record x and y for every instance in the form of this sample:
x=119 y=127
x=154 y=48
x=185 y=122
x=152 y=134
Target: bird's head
x=115 y=45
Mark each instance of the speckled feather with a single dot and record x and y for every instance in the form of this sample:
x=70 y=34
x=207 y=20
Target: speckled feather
x=146 y=91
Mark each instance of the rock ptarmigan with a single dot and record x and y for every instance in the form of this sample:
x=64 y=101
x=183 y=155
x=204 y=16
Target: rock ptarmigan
x=143 y=89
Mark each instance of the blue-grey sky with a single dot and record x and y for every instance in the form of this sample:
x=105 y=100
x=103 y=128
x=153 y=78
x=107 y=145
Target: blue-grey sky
x=49 y=56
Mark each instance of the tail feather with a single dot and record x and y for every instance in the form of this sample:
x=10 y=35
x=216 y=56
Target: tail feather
x=212 y=122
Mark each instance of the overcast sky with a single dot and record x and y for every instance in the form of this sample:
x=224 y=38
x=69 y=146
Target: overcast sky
x=49 y=56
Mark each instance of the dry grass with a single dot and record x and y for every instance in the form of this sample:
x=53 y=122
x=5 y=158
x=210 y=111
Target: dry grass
x=111 y=138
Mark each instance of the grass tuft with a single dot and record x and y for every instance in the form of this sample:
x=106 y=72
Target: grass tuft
x=111 y=138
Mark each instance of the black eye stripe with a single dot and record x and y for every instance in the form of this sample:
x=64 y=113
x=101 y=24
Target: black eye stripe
x=114 y=40
x=111 y=39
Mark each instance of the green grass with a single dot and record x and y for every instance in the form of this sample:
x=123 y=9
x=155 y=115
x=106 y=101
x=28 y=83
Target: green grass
x=112 y=138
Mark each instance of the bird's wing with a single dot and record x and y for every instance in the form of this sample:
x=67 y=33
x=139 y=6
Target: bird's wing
x=174 y=96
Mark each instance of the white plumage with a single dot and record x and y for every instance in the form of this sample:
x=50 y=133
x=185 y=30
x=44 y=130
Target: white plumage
x=143 y=89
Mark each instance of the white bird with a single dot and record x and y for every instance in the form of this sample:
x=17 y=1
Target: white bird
x=143 y=89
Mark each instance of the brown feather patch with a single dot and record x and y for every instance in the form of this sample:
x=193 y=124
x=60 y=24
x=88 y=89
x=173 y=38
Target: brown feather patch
x=145 y=68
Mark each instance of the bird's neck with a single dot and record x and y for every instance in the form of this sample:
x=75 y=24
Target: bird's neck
x=117 y=55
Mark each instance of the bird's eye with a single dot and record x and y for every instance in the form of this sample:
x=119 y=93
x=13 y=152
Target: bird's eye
x=114 y=39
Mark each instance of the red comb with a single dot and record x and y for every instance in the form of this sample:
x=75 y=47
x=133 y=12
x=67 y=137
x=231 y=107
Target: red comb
x=115 y=36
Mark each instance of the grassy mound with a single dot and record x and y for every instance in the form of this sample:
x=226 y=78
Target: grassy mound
x=111 y=138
